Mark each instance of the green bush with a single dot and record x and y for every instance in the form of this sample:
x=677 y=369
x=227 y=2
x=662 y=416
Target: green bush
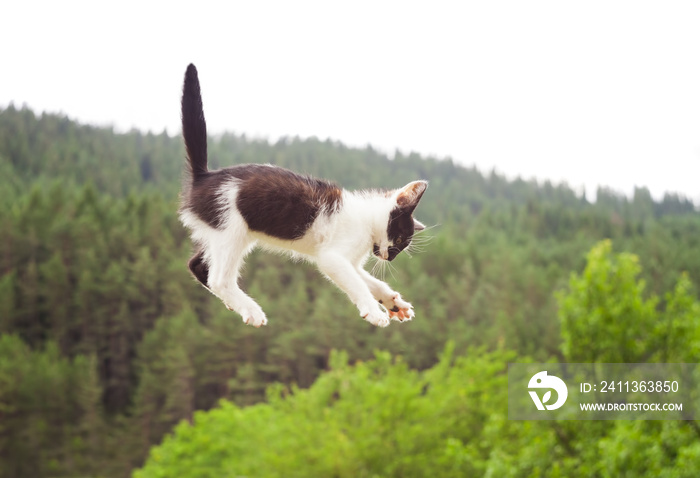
x=376 y=418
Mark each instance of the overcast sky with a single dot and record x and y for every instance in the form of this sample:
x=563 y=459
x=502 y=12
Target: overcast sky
x=595 y=92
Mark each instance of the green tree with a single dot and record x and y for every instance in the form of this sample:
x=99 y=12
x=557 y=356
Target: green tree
x=604 y=315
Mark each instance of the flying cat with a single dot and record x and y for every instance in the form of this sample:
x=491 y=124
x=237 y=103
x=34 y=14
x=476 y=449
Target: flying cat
x=229 y=211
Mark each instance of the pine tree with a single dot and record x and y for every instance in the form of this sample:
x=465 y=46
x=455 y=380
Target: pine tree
x=8 y=302
x=56 y=291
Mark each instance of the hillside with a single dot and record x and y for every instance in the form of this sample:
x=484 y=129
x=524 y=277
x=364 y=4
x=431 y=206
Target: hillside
x=107 y=342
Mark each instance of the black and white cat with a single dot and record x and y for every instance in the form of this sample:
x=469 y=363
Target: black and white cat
x=229 y=211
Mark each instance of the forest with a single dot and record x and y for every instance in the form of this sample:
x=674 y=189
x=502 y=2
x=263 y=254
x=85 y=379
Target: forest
x=114 y=362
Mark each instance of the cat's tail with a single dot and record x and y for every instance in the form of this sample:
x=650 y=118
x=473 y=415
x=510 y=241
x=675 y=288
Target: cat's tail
x=194 y=128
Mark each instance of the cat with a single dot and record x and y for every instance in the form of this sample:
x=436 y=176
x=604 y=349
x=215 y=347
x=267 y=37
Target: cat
x=229 y=211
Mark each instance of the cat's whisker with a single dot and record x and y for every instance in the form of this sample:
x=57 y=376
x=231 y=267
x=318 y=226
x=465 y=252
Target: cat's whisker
x=390 y=268
x=375 y=267
x=423 y=241
x=427 y=228
x=422 y=236
x=412 y=249
x=383 y=266
x=418 y=242
x=378 y=270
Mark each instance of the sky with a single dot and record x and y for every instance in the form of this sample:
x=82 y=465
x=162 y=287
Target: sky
x=588 y=93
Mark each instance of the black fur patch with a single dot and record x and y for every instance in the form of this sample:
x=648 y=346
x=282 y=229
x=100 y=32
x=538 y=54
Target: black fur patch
x=281 y=203
x=202 y=197
x=199 y=268
x=272 y=200
x=400 y=230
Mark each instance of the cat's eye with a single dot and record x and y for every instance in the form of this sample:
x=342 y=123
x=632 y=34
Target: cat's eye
x=399 y=240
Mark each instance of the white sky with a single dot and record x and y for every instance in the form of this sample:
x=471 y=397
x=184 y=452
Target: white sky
x=595 y=92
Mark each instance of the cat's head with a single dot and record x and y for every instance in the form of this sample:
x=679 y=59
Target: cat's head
x=401 y=225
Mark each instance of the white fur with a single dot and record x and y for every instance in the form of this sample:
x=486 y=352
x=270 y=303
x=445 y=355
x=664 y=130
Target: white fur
x=338 y=243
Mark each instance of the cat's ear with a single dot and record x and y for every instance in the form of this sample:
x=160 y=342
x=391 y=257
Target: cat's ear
x=410 y=194
x=417 y=225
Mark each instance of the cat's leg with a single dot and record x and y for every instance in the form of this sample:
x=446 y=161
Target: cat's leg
x=225 y=258
x=341 y=271
x=398 y=308
x=199 y=268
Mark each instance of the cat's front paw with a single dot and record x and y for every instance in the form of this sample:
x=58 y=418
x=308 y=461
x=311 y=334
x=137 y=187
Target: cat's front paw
x=401 y=310
x=375 y=316
x=256 y=320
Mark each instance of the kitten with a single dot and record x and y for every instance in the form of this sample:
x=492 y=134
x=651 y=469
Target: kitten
x=229 y=211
